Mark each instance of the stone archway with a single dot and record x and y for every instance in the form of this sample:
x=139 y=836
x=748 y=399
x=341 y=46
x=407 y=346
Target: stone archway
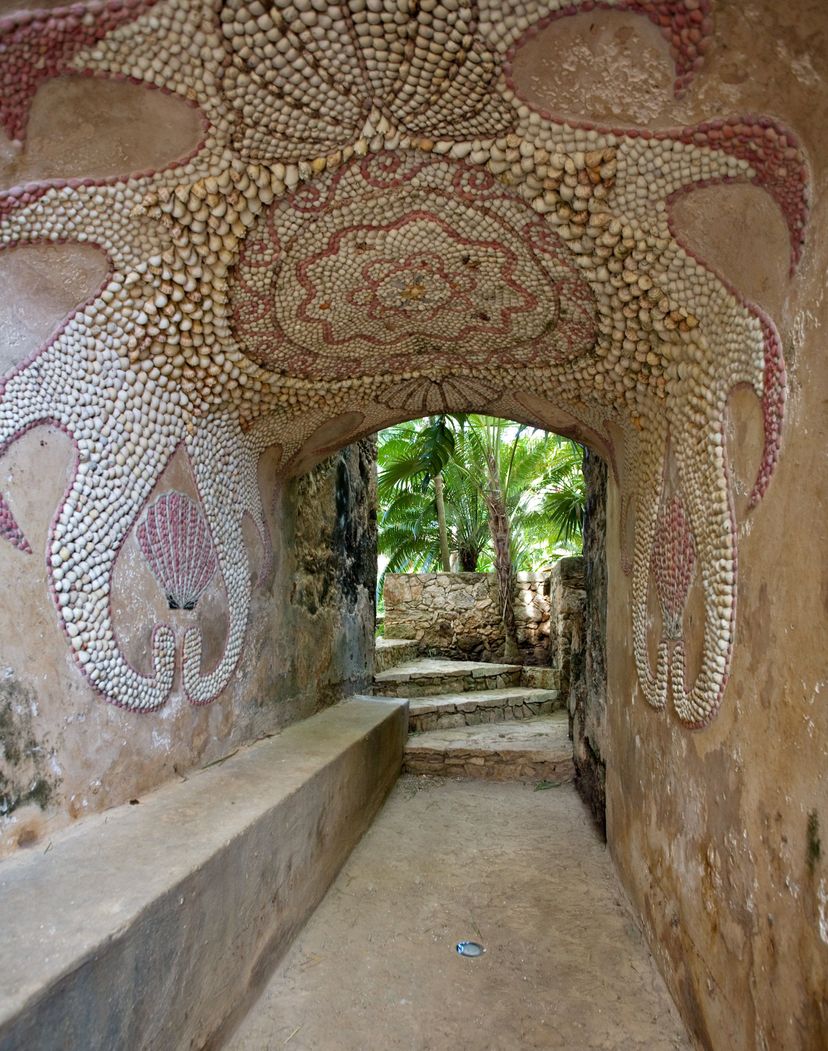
x=377 y=224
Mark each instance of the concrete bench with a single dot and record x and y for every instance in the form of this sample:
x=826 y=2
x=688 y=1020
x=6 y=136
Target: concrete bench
x=153 y=925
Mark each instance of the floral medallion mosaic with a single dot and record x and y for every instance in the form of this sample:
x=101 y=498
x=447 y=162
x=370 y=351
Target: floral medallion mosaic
x=458 y=272
x=376 y=225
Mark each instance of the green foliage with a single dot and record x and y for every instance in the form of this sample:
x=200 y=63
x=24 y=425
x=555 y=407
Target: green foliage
x=539 y=474
x=410 y=455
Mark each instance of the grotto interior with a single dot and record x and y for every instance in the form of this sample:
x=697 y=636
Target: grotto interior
x=240 y=236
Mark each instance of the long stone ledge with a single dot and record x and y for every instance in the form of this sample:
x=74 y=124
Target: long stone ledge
x=152 y=925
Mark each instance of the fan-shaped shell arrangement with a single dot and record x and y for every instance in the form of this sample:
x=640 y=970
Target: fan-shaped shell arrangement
x=175 y=540
x=376 y=225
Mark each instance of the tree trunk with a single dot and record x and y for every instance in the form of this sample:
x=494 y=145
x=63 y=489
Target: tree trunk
x=468 y=559
x=499 y=529
x=441 y=523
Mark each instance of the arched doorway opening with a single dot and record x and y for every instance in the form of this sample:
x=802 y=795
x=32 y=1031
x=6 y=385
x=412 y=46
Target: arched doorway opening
x=446 y=487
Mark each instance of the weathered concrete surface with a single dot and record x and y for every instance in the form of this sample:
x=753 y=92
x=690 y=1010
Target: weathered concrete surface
x=527 y=750
x=565 y=968
x=147 y=926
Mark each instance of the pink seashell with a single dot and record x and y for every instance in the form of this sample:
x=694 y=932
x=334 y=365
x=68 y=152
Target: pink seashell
x=175 y=540
x=10 y=530
x=674 y=562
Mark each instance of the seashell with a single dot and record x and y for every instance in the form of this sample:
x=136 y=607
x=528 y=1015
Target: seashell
x=175 y=540
x=674 y=560
x=10 y=530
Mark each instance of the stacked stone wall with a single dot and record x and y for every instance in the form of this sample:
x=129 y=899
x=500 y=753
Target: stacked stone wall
x=457 y=615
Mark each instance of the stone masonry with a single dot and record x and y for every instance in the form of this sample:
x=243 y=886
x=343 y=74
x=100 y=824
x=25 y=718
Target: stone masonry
x=456 y=615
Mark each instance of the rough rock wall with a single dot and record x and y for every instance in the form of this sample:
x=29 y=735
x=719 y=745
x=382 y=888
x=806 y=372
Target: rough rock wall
x=588 y=674
x=457 y=615
x=66 y=753
x=566 y=601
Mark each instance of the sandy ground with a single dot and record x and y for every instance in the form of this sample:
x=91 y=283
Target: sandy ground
x=521 y=871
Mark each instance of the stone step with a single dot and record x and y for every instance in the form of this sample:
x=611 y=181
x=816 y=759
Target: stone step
x=526 y=750
x=429 y=676
x=388 y=653
x=449 y=710
x=540 y=678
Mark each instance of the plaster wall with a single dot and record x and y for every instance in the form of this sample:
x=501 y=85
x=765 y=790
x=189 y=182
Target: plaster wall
x=716 y=831
x=65 y=753
x=719 y=834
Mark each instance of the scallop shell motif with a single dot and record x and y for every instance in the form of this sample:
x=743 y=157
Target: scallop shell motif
x=175 y=540
x=674 y=562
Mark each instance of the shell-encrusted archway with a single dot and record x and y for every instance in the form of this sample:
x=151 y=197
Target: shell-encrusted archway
x=376 y=225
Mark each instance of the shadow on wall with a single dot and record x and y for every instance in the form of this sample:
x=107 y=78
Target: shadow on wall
x=588 y=674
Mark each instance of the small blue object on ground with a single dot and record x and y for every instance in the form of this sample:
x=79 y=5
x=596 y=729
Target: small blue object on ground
x=470 y=949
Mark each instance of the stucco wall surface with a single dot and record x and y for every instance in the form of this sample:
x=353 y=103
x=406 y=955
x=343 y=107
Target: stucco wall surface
x=633 y=346
x=66 y=753
x=720 y=833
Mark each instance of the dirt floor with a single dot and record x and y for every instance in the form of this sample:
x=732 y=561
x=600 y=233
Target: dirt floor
x=519 y=870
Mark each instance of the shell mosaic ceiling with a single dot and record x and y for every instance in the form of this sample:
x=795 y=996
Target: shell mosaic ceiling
x=374 y=226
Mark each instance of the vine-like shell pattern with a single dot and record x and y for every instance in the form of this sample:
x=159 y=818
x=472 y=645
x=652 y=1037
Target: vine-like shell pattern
x=369 y=174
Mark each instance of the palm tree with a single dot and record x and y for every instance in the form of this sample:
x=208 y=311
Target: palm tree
x=428 y=504
x=520 y=465
x=548 y=500
x=497 y=493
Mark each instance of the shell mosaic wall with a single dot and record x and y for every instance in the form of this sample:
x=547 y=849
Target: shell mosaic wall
x=376 y=225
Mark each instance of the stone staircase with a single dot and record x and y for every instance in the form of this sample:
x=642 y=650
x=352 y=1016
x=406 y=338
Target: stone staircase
x=498 y=722
x=390 y=652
